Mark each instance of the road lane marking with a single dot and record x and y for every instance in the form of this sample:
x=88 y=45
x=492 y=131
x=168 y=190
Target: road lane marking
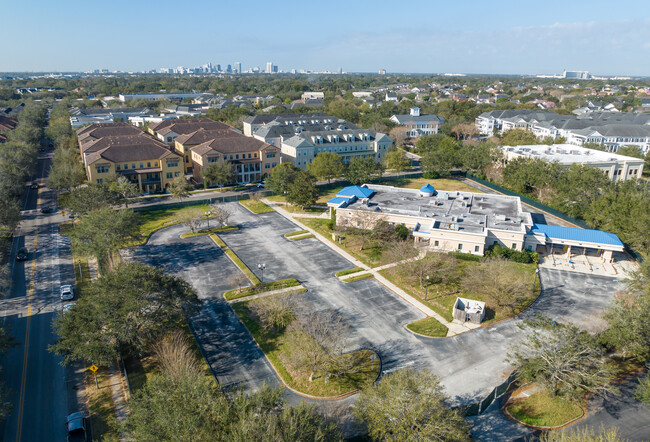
x=23 y=380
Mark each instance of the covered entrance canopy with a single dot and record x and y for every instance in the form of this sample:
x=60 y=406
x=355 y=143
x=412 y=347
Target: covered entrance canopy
x=605 y=243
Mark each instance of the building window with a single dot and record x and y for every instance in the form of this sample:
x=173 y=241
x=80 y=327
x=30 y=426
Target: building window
x=267 y=165
x=172 y=163
x=236 y=156
x=514 y=246
x=99 y=180
x=460 y=247
x=148 y=163
x=170 y=175
x=476 y=248
x=177 y=174
x=213 y=159
x=102 y=169
x=436 y=243
x=132 y=165
x=126 y=166
x=117 y=167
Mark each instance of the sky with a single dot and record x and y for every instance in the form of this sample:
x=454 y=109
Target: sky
x=462 y=36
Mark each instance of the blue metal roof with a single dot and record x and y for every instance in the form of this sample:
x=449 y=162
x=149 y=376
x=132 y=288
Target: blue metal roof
x=427 y=188
x=575 y=234
x=339 y=200
x=358 y=191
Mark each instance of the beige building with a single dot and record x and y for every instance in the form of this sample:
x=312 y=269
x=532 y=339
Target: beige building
x=464 y=221
x=117 y=150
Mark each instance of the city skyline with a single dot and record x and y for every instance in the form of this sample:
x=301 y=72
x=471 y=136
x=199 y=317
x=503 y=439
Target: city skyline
x=508 y=38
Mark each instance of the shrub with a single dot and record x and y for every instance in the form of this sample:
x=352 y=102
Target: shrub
x=524 y=256
x=402 y=231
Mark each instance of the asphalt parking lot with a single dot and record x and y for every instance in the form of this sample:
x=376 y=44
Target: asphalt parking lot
x=469 y=365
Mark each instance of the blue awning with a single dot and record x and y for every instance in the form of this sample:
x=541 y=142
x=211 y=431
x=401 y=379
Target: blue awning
x=576 y=234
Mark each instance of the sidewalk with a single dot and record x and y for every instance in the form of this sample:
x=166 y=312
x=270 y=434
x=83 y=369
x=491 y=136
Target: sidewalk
x=454 y=328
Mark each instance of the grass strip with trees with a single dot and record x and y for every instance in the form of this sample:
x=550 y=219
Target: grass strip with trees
x=428 y=327
x=306 y=350
x=256 y=289
x=543 y=410
x=209 y=231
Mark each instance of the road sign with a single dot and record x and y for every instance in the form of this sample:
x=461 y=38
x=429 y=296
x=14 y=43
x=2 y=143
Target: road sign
x=93 y=368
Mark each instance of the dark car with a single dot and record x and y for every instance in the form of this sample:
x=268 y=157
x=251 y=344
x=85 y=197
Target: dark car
x=34 y=185
x=76 y=425
x=21 y=254
x=45 y=209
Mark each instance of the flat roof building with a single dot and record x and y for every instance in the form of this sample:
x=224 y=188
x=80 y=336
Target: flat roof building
x=463 y=221
x=617 y=167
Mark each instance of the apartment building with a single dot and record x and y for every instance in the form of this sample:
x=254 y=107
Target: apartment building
x=301 y=137
x=417 y=124
x=616 y=167
x=109 y=150
x=610 y=129
x=168 y=130
x=253 y=159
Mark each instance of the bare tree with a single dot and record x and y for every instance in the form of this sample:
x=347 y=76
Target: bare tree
x=363 y=222
x=274 y=312
x=237 y=279
x=399 y=134
x=500 y=283
x=175 y=355
x=191 y=217
x=221 y=214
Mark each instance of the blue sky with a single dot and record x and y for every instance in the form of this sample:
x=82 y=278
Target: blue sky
x=518 y=37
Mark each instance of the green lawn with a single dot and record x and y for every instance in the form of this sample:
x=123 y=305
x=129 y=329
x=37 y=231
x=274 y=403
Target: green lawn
x=256 y=206
x=278 y=349
x=358 y=277
x=542 y=410
x=441 y=297
x=428 y=327
x=156 y=219
x=448 y=184
x=348 y=271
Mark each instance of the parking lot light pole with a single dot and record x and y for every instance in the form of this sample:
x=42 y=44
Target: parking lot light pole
x=207 y=215
x=426 y=289
x=261 y=267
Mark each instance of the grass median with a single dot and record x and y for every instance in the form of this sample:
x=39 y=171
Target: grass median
x=542 y=410
x=428 y=327
x=279 y=348
x=256 y=206
x=266 y=287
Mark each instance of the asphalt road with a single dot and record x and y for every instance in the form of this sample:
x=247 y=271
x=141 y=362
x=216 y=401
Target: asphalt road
x=35 y=377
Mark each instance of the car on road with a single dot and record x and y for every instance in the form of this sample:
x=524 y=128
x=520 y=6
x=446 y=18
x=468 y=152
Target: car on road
x=76 y=425
x=45 y=209
x=21 y=254
x=67 y=292
x=34 y=185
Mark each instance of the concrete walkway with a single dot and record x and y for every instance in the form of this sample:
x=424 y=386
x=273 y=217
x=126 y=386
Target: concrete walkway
x=454 y=328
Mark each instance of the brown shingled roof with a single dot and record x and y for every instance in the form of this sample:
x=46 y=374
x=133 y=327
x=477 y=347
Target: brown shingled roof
x=97 y=131
x=92 y=145
x=230 y=145
x=122 y=153
x=202 y=135
x=7 y=123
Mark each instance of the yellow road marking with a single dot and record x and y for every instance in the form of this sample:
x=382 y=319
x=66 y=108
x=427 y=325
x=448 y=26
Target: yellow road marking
x=23 y=381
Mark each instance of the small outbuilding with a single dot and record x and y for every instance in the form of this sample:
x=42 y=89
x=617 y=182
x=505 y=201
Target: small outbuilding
x=468 y=310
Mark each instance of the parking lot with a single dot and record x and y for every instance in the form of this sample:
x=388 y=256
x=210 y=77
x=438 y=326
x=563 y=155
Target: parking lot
x=469 y=364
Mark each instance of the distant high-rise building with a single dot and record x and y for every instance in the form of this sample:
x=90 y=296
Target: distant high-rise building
x=238 y=67
x=218 y=68
x=382 y=71
x=340 y=70
x=269 y=67
x=229 y=69
x=578 y=75
x=275 y=69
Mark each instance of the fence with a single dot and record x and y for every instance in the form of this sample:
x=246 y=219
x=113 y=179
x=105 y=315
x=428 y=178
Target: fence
x=496 y=393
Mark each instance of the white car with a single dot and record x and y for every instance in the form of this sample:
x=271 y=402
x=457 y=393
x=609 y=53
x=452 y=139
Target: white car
x=67 y=292
x=67 y=307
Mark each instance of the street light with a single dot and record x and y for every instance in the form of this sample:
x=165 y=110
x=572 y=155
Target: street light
x=261 y=267
x=207 y=214
x=426 y=289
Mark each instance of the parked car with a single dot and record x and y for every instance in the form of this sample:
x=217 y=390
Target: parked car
x=76 y=425
x=67 y=292
x=261 y=185
x=45 y=209
x=21 y=254
x=34 y=185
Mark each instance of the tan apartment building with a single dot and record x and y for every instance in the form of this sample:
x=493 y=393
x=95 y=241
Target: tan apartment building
x=253 y=159
x=184 y=143
x=167 y=130
x=116 y=150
